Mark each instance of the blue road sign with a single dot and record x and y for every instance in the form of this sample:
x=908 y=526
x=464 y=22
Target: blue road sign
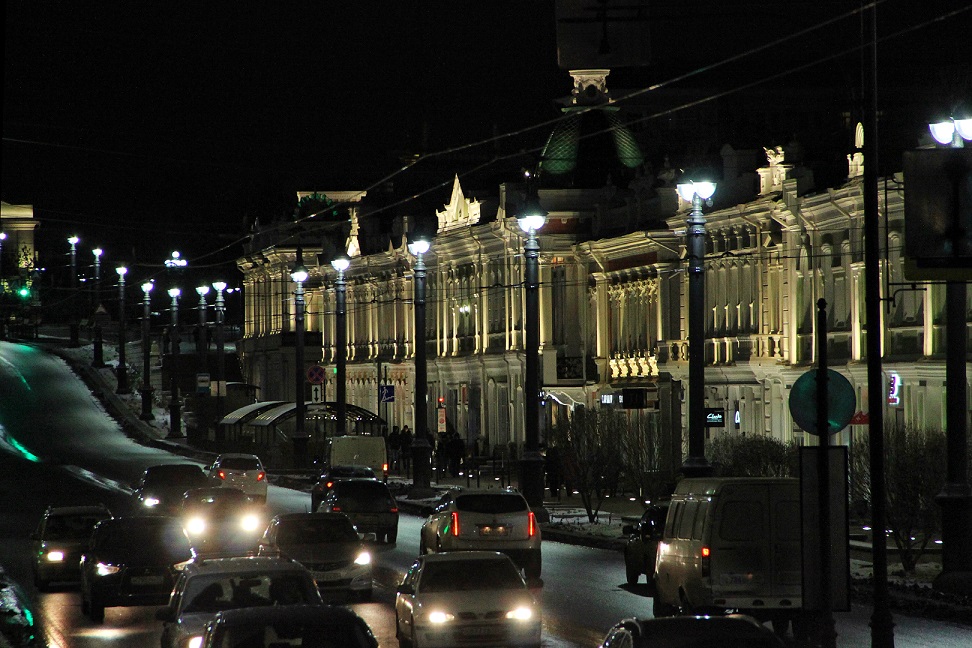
x=386 y=393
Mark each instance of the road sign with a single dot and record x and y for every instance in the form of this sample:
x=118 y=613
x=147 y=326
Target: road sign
x=316 y=374
x=317 y=394
x=442 y=420
x=841 y=402
x=202 y=383
x=386 y=393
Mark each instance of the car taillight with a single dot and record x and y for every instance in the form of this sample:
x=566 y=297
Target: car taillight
x=329 y=484
x=336 y=507
x=705 y=561
x=393 y=509
x=384 y=468
x=455 y=523
x=261 y=476
x=532 y=525
x=221 y=474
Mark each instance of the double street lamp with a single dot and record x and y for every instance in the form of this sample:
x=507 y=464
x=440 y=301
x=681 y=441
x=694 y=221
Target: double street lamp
x=122 y=373
x=99 y=344
x=220 y=286
x=299 y=275
x=421 y=450
x=75 y=319
x=175 y=411
x=340 y=288
x=530 y=219
x=695 y=193
x=146 y=388
x=202 y=345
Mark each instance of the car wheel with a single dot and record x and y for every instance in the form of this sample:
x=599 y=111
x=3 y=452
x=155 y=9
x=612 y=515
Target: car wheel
x=314 y=504
x=42 y=584
x=660 y=609
x=403 y=641
x=96 y=609
x=632 y=574
x=391 y=536
x=422 y=549
x=533 y=567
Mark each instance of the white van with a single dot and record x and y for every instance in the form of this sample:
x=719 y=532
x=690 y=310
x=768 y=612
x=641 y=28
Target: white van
x=731 y=544
x=358 y=450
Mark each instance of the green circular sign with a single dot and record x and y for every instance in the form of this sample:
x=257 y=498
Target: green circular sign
x=841 y=402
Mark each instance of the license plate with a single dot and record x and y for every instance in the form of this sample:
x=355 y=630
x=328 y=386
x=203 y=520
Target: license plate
x=479 y=632
x=327 y=576
x=147 y=580
x=494 y=530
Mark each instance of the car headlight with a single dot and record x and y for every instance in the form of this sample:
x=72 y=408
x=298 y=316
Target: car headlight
x=150 y=501
x=196 y=525
x=522 y=613
x=194 y=642
x=55 y=556
x=104 y=569
x=364 y=558
x=250 y=522
x=440 y=617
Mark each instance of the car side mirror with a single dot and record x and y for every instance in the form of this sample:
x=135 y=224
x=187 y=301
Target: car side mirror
x=628 y=529
x=405 y=589
x=166 y=615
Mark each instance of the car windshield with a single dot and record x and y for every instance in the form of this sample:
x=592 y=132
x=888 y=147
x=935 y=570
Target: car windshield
x=352 y=471
x=363 y=496
x=696 y=635
x=223 y=498
x=458 y=576
x=130 y=540
x=239 y=463
x=187 y=476
x=213 y=593
x=302 y=635
x=70 y=527
x=491 y=503
x=316 y=531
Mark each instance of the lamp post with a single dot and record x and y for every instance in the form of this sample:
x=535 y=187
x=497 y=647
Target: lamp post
x=220 y=286
x=146 y=388
x=530 y=219
x=99 y=343
x=202 y=346
x=421 y=450
x=299 y=275
x=75 y=323
x=122 y=374
x=175 y=411
x=956 y=496
x=3 y=318
x=695 y=193
x=3 y=237
x=340 y=288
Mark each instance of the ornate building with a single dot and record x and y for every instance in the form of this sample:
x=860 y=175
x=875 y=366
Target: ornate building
x=613 y=308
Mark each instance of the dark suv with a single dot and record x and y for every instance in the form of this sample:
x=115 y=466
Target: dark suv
x=642 y=545
x=368 y=503
x=59 y=539
x=332 y=474
x=160 y=490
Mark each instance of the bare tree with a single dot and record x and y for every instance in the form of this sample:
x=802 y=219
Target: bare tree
x=590 y=450
x=642 y=457
x=914 y=474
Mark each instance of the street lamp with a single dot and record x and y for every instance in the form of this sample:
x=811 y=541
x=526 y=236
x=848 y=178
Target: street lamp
x=531 y=218
x=175 y=412
x=421 y=450
x=122 y=334
x=220 y=286
x=146 y=389
x=695 y=193
x=75 y=323
x=202 y=345
x=340 y=288
x=99 y=344
x=299 y=275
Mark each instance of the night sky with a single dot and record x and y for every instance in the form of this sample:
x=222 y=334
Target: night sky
x=145 y=127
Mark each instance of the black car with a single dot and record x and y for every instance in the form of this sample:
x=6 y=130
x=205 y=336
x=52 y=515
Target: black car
x=332 y=474
x=58 y=541
x=368 y=503
x=131 y=561
x=289 y=625
x=642 y=545
x=222 y=521
x=160 y=490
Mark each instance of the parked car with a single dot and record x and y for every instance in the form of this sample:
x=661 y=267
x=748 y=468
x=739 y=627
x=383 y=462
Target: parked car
x=333 y=473
x=243 y=471
x=57 y=543
x=466 y=598
x=208 y=586
x=222 y=521
x=368 y=503
x=328 y=545
x=732 y=543
x=642 y=544
x=131 y=561
x=731 y=631
x=310 y=626
x=489 y=520
x=160 y=490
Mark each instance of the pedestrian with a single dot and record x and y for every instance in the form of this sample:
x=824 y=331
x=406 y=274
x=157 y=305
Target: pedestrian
x=406 y=450
x=394 y=442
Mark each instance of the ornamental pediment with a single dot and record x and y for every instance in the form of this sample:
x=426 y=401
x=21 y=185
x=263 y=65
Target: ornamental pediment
x=460 y=212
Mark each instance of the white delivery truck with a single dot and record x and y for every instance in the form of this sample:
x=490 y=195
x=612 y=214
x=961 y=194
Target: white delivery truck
x=358 y=450
x=732 y=544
